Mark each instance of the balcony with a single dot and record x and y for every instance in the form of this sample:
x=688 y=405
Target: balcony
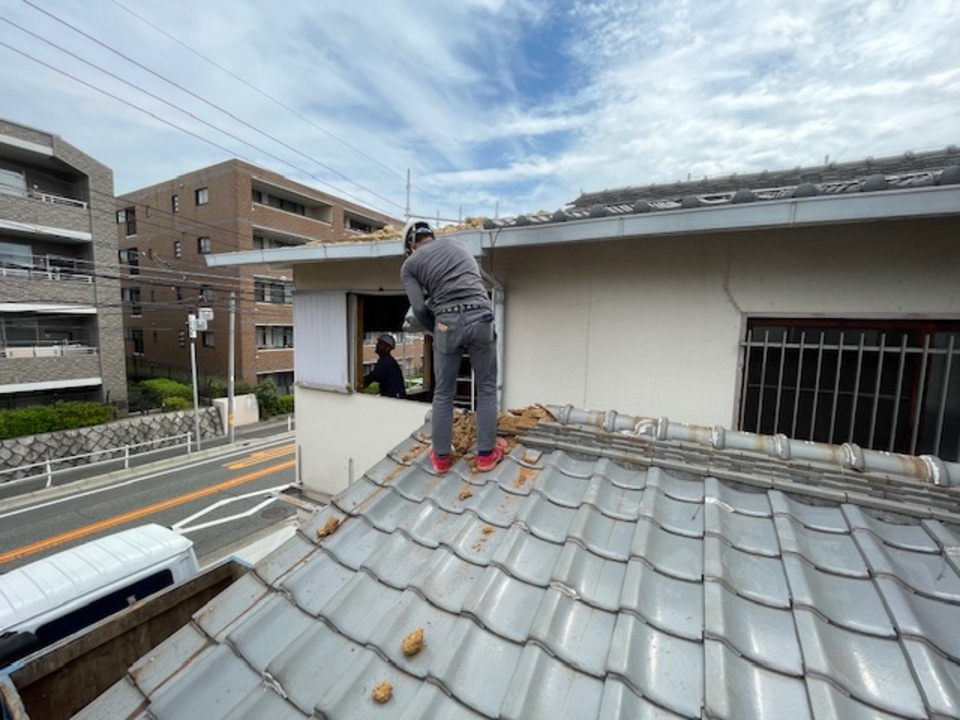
x=34 y=207
x=68 y=279
x=25 y=365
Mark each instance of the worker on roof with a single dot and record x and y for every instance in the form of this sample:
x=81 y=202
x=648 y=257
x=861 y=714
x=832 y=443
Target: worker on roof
x=460 y=315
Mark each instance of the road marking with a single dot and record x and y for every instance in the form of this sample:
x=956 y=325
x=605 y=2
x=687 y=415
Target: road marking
x=108 y=523
x=113 y=486
x=261 y=456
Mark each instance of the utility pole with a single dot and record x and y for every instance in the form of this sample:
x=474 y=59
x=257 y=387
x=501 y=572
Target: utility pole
x=231 y=365
x=192 y=326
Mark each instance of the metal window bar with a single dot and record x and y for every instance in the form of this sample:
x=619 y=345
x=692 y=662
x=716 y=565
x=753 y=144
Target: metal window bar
x=876 y=391
x=783 y=358
x=836 y=388
x=919 y=396
x=796 y=392
x=763 y=379
x=943 y=397
x=928 y=419
x=896 y=395
x=816 y=390
x=856 y=389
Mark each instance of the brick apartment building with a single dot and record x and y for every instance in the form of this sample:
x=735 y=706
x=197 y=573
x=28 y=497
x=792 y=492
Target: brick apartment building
x=164 y=233
x=61 y=335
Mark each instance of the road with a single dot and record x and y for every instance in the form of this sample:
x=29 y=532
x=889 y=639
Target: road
x=166 y=496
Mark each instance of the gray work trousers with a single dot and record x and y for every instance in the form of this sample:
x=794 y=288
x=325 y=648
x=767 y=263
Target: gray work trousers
x=471 y=331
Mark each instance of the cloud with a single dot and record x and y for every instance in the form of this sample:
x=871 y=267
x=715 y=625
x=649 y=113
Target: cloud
x=502 y=105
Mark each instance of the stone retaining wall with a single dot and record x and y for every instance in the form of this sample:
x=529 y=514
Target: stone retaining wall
x=30 y=449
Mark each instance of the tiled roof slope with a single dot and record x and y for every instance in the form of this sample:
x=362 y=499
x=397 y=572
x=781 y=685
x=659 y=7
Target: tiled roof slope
x=591 y=575
x=910 y=170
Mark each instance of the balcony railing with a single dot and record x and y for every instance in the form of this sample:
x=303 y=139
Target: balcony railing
x=58 y=350
x=37 y=194
x=45 y=267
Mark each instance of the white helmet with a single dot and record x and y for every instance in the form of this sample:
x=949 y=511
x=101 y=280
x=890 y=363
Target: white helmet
x=411 y=230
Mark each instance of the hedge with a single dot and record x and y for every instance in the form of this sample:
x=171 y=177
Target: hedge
x=37 y=419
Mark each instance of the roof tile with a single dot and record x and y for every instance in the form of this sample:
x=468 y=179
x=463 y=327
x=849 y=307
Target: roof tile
x=527 y=557
x=764 y=635
x=664 y=668
x=928 y=574
x=757 y=577
x=547 y=689
x=873 y=670
x=736 y=687
x=675 y=555
x=750 y=533
x=833 y=552
x=503 y=604
x=592 y=578
x=574 y=632
x=671 y=605
x=848 y=602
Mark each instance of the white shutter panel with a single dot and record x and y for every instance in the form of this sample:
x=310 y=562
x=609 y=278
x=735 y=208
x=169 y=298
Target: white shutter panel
x=320 y=332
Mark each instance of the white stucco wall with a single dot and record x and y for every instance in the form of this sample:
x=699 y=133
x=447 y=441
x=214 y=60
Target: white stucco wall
x=652 y=326
x=341 y=436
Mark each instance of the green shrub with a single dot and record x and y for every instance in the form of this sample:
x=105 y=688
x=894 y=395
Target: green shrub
x=37 y=419
x=177 y=403
x=156 y=390
x=267 y=397
x=285 y=404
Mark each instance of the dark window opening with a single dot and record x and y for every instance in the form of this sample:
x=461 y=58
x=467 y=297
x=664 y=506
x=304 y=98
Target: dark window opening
x=884 y=385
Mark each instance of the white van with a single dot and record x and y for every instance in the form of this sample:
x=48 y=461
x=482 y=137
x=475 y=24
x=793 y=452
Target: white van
x=49 y=599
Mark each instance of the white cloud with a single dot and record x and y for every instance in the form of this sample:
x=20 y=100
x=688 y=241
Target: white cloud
x=634 y=92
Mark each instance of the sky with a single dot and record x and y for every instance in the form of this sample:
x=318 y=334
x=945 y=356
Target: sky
x=495 y=107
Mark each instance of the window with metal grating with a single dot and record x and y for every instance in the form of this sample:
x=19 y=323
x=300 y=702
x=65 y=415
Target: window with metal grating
x=882 y=384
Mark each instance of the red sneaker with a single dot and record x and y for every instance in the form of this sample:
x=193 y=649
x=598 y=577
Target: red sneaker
x=440 y=465
x=489 y=462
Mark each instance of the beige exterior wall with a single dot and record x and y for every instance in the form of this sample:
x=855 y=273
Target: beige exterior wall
x=652 y=326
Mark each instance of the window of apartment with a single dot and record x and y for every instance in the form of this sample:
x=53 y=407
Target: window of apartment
x=357 y=225
x=128 y=217
x=175 y=203
x=274 y=336
x=131 y=296
x=203 y=245
x=275 y=201
x=178 y=291
x=202 y=196
x=207 y=293
x=177 y=249
x=131 y=258
x=12 y=181
x=276 y=292
x=134 y=335
x=15 y=259
x=256 y=196
x=884 y=385
x=182 y=338
x=207 y=339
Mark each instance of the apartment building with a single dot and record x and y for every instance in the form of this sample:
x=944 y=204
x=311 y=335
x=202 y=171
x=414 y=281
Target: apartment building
x=165 y=232
x=61 y=333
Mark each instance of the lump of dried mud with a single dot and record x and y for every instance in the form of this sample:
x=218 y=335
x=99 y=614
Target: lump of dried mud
x=412 y=643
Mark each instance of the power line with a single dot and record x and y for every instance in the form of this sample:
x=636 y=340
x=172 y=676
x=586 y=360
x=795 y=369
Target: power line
x=157 y=117
x=270 y=97
x=201 y=99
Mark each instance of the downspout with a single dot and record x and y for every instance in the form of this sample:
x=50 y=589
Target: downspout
x=499 y=302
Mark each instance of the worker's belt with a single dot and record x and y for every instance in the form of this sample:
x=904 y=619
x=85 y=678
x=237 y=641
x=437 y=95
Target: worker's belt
x=462 y=307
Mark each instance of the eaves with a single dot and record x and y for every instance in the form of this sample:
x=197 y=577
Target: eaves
x=924 y=202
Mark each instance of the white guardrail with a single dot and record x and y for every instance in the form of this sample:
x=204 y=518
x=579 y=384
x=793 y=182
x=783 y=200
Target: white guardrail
x=122 y=453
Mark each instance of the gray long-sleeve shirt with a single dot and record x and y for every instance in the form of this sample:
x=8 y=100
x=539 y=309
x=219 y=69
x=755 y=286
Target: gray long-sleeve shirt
x=444 y=271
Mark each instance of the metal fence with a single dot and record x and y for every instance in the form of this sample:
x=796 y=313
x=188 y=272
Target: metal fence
x=122 y=454
x=884 y=387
